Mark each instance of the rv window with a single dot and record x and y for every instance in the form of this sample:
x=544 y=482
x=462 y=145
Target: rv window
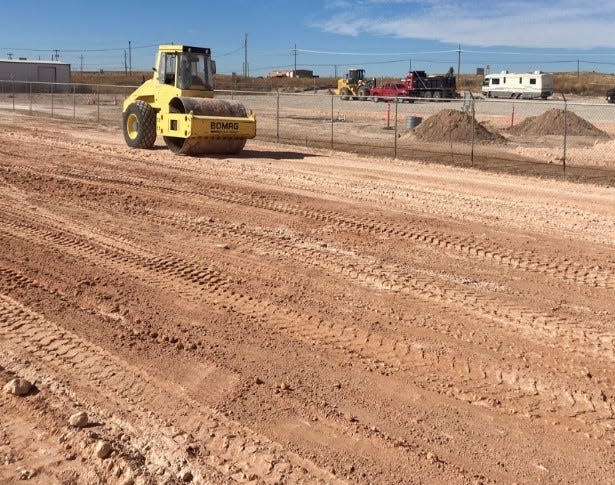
x=495 y=80
x=520 y=80
x=504 y=81
x=532 y=80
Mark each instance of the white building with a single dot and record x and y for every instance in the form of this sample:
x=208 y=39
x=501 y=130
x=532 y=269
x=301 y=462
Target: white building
x=34 y=71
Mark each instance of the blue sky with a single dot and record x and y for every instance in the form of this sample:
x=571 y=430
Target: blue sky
x=384 y=36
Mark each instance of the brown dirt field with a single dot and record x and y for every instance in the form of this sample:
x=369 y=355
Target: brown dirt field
x=295 y=316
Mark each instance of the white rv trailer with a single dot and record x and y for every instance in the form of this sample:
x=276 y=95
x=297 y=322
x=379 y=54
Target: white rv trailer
x=525 y=85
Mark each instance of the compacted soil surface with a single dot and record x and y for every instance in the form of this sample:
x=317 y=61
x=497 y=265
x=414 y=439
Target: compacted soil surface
x=289 y=316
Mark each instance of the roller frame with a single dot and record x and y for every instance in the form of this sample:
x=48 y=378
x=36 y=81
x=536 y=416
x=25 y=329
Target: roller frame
x=182 y=125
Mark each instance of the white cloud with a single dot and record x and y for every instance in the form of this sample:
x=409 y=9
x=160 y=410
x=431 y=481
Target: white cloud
x=558 y=24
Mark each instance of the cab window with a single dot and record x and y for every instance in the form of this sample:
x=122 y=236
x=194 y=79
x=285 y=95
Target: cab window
x=192 y=72
x=166 y=69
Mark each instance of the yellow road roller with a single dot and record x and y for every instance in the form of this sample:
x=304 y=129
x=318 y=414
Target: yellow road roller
x=178 y=104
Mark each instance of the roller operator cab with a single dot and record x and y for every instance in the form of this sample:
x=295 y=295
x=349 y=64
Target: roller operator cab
x=177 y=103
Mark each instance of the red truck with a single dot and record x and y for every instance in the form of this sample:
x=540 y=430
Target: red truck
x=417 y=84
x=390 y=90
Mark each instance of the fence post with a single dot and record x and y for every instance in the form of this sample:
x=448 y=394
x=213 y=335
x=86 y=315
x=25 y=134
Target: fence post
x=565 y=133
x=473 y=113
x=13 y=83
x=332 y=121
x=30 y=98
x=52 y=100
x=395 y=142
x=74 y=102
x=277 y=117
x=98 y=103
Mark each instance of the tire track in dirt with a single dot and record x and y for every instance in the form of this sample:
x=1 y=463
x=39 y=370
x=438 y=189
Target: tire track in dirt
x=372 y=349
x=540 y=215
x=218 y=382
x=484 y=251
x=395 y=278
x=371 y=274
x=484 y=210
x=415 y=449
x=234 y=451
x=552 y=327
x=434 y=201
x=137 y=450
x=467 y=247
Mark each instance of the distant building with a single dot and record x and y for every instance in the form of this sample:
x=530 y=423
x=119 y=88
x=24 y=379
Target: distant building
x=301 y=73
x=277 y=74
x=295 y=73
x=34 y=71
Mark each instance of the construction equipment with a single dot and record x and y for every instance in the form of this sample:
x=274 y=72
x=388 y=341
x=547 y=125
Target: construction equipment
x=354 y=85
x=417 y=84
x=420 y=85
x=177 y=104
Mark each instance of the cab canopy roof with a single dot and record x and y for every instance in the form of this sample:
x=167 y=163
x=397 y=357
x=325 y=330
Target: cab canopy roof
x=184 y=48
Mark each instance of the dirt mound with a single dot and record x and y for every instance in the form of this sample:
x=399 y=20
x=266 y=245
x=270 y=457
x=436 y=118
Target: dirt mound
x=450 y=124
x=552 y=123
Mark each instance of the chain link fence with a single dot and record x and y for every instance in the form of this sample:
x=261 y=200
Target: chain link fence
x=554 y=138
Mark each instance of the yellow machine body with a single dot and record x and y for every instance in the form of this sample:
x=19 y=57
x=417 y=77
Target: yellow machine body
x=180 y=94
x=354 y=85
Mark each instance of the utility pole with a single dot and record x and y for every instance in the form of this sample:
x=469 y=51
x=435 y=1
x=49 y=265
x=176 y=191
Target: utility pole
x=81 y=61
x=56 y=55
x=10 y=55
x=245 y=57
x=295 y=52
x=458 y=60
x=125 y=64
x=578 y=68
x=335 y=71
x=410 y=67
x=130 y=56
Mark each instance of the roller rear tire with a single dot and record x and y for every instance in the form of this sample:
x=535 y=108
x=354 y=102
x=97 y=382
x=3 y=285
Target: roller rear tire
x=139 y=125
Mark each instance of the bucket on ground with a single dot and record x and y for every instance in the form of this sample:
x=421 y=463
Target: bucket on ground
x=413 y=121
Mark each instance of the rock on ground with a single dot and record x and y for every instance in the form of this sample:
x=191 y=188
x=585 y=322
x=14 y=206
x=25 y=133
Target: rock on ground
x=78 y=420
x=102 y=449
x=18 y=387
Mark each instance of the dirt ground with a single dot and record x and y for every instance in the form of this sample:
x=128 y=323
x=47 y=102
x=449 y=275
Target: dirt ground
x=295 y=316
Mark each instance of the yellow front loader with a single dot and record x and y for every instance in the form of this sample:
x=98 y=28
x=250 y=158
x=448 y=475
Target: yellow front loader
x=178 y=104
x=353 y=85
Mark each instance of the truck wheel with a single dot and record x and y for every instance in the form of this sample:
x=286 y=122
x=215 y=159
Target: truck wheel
x=345 y=94
x=139 y=125
x=362 y=94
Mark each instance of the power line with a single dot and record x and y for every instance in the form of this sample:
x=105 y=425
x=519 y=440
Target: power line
x=546 y=54
x=240 y=48
x=119 y=49
x=333 y=53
